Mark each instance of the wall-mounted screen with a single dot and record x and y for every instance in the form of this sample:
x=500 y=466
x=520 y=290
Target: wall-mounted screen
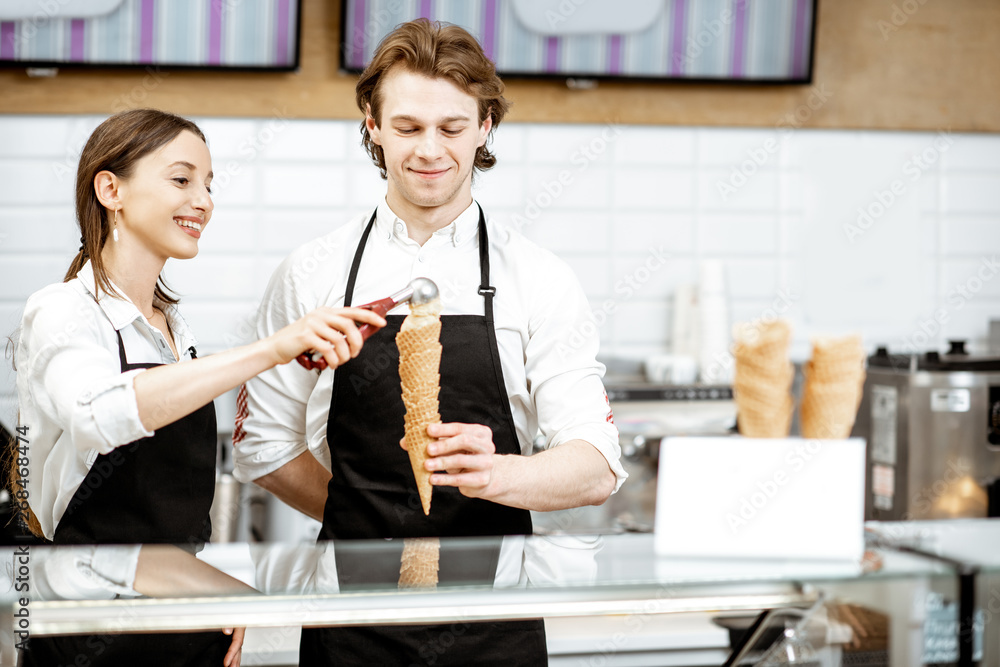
x=764 y=41
x=224 y=34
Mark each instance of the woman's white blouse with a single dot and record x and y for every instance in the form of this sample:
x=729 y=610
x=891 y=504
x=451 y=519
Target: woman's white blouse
x=74 y=402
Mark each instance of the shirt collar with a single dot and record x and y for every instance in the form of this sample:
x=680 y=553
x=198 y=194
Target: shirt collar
x=465 y=226
x=122 y=312
x=119 y=309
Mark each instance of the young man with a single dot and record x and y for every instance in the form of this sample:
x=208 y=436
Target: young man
x=518 y=358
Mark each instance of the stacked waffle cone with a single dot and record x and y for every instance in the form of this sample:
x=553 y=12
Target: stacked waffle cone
x=419 y=564
x=834 y=379
x=762 y=381
x=419 y=346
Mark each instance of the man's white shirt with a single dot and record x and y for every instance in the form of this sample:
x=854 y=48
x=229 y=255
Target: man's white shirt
x=546 y=334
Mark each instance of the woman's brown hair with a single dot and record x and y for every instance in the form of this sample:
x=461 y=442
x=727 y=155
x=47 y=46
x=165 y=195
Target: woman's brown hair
x=116 y=145
x=435 y=50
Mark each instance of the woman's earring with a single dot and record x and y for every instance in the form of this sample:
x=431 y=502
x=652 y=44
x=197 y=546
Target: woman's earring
x=115 y=233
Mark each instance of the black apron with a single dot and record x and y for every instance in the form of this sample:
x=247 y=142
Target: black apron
x=157 y=490
x=372 y=495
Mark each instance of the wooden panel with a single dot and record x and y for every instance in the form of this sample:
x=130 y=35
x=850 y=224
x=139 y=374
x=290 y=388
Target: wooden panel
x=901 y=64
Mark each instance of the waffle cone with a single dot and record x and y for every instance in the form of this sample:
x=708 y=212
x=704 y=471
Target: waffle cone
x=418 y=567
x=846 y=370
x=836 y=359
x=419 y=374
x=763 y=354
x=763 y=410
x=833 y=388
x=777 y=375
x=774 y=422
x=767 y=339
x=762 y=379
x=824 y=347
x=828 y=410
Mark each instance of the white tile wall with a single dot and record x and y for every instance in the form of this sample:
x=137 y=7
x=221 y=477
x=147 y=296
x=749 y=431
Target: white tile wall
x=601 y=196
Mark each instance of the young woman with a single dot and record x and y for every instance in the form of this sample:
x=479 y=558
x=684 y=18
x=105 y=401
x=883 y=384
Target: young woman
x=114 y=404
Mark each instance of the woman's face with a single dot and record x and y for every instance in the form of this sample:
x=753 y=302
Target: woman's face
x=167 y=201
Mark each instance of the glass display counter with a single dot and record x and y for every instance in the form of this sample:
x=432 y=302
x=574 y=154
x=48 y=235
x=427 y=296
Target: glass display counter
x=571 y=581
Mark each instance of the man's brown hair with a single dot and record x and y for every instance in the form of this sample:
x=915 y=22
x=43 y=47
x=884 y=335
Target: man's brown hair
x=434 y=50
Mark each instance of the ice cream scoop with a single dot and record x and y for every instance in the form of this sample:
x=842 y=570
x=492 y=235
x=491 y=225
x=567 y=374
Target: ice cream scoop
x=419 y=291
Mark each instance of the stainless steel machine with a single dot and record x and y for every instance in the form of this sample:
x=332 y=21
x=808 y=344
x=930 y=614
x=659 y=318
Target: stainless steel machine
x=932 y=422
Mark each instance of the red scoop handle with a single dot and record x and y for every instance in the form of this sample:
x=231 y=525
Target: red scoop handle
x=380 y=307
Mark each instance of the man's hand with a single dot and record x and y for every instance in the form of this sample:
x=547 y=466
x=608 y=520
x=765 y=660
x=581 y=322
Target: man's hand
x=462 y=456
x=570 y=475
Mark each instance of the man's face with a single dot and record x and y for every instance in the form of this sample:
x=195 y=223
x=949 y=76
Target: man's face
x=429 y=133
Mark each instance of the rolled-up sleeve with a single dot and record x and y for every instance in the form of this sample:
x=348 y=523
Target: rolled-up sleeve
x=271 y=417
x=564 y=378
x=75 y=379
x=84 y=572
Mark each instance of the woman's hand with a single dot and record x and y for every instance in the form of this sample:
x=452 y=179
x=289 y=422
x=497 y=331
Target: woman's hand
x=235 y=652
x=165 y=571
x=332 y=332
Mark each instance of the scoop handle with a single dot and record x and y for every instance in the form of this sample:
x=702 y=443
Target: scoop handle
x=380 y=308
x=314 y=361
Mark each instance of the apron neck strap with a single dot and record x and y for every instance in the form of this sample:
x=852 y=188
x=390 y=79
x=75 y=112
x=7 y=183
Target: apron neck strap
x=353 y=276
x=485 y=289
x=122 y=361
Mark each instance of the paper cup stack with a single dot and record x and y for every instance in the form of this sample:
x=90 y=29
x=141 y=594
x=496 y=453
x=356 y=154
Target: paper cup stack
x=763 y=379
x=834 y=379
